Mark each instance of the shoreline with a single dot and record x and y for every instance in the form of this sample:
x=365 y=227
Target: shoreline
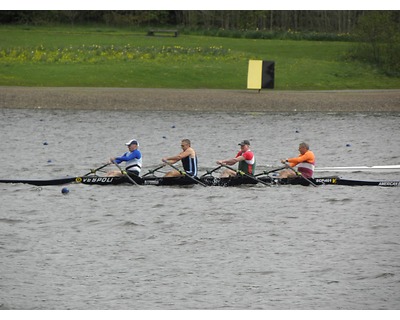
x=199 y=100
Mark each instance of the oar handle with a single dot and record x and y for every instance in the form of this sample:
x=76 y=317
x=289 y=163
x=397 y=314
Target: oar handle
x=183 y=173
x=125 y=173
x=177 y=169
x=245 y=174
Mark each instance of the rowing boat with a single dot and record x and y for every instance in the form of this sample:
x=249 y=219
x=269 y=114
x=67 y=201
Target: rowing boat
x=208 y=180
x=332 y=180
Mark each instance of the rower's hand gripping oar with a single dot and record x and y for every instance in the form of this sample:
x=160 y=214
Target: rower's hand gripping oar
x=183 y=173
x=97 y=169
x=300 y=175
x=246 y=175
x=125 y=173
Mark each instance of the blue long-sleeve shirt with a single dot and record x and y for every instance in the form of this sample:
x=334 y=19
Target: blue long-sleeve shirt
x=133 y=160
x=127 y=156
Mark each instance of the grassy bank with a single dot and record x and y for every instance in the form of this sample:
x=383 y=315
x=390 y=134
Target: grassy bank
x=107 y=57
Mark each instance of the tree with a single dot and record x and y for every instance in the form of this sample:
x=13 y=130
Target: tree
x=379 y=40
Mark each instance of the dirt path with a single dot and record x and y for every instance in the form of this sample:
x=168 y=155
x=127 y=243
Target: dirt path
x=199 y=99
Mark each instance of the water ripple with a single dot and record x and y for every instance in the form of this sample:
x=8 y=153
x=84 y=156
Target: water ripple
x=286 y=247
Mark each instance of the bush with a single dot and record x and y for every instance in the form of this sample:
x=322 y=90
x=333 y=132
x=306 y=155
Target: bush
x=378 y=34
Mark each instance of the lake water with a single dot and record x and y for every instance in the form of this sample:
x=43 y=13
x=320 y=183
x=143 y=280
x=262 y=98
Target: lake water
x=258 y=247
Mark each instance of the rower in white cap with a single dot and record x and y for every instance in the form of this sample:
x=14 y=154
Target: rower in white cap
x=133 y=159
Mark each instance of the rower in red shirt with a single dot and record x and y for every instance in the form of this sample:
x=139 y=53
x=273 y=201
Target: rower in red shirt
x=305 y=163
x=246 y=159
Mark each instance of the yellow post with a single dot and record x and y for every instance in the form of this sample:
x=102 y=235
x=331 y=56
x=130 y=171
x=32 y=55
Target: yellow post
x=254 y=75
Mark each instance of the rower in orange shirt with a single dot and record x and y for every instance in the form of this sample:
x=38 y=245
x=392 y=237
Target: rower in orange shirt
x=305 y=163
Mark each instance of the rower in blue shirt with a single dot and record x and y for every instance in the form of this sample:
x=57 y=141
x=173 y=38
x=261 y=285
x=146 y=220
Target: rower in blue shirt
x=133 y=159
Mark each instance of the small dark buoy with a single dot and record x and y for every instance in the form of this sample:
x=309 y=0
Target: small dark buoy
x=64 y=190
x=348 y=145
x=164 y=137
x=49 y=161
x=173 y=126
x=297 y=131
x=45 y=143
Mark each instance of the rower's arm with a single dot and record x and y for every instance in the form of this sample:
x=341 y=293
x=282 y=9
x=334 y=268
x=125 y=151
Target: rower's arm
x=180 y=156
x=232 y=161
x=302 y=158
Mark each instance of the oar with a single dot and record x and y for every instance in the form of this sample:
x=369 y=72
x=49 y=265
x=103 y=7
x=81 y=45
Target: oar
x=211 y=171
x=270 y=171
x=184 y=173
x=125 y=173
x=246 y=175
x=300 y=175
x=97 y=169
x=152 y=171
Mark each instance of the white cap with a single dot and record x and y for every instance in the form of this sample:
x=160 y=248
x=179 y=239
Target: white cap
x=133 y=141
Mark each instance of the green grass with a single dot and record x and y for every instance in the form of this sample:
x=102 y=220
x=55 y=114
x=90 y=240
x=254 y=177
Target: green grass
x=110 y=57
